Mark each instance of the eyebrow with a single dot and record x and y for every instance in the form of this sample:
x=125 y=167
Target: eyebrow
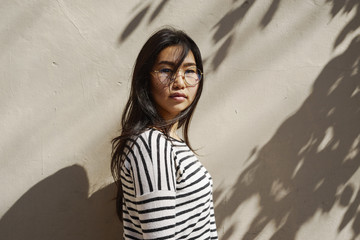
x=173 y=64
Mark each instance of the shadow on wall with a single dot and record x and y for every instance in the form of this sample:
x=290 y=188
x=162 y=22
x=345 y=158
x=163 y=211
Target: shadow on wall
x=138 y=18
x=59 y=208
x=224 y=30
x=305 y=168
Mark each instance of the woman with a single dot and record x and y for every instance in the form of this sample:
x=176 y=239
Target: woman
x=164 y=191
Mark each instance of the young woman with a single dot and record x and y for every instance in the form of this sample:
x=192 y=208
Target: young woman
x=164 y=191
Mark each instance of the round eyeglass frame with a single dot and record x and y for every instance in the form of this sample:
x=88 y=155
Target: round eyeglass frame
x=172 y=78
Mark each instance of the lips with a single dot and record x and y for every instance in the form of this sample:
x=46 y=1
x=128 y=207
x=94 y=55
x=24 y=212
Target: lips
x=178 y=95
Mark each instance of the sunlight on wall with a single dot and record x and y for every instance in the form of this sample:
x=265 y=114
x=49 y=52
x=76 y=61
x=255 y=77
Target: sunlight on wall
x=277 y=125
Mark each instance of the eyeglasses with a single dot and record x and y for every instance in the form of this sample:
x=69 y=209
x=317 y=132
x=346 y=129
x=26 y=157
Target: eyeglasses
x=191 y=76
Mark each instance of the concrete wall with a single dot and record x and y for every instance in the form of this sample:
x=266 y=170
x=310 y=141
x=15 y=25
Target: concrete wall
x=278 y=125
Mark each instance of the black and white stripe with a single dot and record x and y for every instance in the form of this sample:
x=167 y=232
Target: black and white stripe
x=167 y=191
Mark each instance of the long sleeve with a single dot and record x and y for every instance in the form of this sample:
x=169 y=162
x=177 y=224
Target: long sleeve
x=152 y=199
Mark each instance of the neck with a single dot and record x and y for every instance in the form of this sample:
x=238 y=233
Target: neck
x=173 y=133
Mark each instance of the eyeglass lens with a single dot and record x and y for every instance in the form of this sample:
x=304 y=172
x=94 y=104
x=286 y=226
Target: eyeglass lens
x=192 y=77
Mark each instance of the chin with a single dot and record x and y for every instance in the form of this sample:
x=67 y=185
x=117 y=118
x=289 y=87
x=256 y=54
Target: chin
x=177 y=111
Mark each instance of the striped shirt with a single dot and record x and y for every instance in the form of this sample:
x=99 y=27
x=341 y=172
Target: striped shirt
x=167 y=192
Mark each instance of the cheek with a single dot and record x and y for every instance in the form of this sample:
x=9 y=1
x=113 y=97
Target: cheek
x=192 y=92
x=158 y=90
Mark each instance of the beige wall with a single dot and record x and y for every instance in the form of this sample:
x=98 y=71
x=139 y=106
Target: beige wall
x=278 y=125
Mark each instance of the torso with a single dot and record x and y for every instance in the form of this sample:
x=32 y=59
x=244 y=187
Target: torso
x=173 y=174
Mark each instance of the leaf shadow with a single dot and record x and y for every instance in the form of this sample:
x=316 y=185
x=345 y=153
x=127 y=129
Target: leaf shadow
x=353 y=24
x=312 y=155
x=270 y=13
x=157 y=11
x=221 y=53
x=228 y=22
x=134 y=23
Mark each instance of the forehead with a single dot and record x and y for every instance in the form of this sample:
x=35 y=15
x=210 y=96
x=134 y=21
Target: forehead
x=172 y=54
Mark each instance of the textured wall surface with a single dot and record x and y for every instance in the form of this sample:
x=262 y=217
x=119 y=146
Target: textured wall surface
x=278 y=125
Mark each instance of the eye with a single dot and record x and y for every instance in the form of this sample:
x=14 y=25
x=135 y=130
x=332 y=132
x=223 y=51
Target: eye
x=166 y=71
x=190 y=71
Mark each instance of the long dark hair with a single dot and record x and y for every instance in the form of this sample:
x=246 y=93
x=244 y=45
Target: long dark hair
x=140 y=111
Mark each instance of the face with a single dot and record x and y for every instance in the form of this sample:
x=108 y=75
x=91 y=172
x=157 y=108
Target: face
x=171 y=99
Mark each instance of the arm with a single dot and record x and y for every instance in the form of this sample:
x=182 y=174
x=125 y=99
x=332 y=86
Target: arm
x=154 y=182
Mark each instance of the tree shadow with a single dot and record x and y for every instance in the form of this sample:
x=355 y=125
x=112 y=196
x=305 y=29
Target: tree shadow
x=59 y=208
x=305 y=167
x=346 y=7
x=270 y=13
x=231 y=19
x=135 y=22
x=225 y=28
x=310 y=159
x=157 y=11
x=221 y=53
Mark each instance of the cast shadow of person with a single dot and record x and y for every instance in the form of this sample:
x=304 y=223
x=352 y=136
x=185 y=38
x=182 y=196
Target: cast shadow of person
x=59 y=208
x=305 y=169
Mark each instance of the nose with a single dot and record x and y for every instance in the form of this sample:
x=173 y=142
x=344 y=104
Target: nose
x=179 y=80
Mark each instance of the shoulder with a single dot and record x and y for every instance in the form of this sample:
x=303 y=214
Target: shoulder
x=153 y=141
x=150 y=161
x=151 y=136
x=146 y=142
x=148 y=138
